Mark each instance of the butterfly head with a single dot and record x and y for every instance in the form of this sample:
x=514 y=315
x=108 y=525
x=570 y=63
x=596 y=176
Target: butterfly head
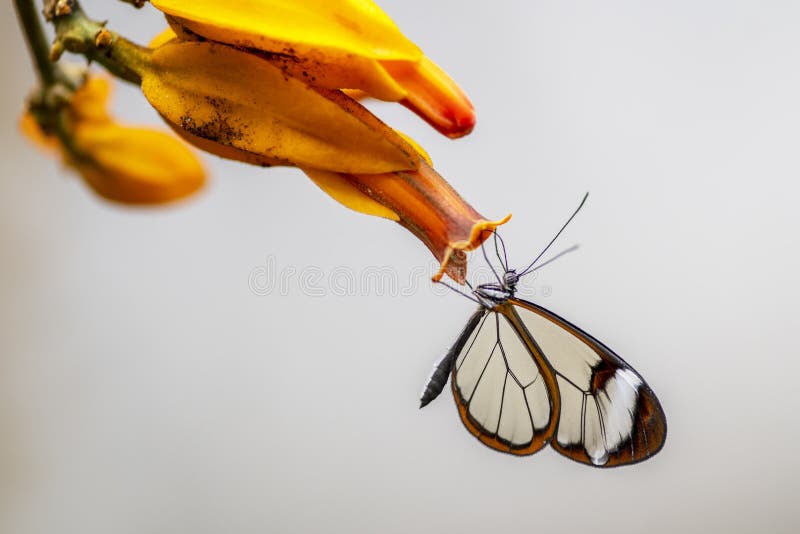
x=510 y=279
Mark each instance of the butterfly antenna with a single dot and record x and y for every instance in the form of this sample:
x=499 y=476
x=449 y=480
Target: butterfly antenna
x=504 y=258
x=456 y=290
x=486 y=257
x=529 y=267
x=573 y=248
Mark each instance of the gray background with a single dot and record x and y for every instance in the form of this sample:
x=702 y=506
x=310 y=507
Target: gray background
x=146 y=388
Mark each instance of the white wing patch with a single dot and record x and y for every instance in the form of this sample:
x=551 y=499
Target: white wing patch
x=498 y=382
x=598 y=397
x=617 y=404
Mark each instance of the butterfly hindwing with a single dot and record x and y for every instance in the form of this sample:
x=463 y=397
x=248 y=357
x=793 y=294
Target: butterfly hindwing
x=608 y=415
x=502 y=394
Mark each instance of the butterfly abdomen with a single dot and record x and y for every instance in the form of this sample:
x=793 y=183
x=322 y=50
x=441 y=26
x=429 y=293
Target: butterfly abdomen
x=441 y=370
x=437 y=380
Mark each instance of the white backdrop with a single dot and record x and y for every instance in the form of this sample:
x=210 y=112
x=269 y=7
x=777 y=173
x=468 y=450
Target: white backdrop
x=146 y=388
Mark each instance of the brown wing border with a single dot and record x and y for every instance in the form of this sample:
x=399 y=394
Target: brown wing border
x=540 y=439
x=650 y=423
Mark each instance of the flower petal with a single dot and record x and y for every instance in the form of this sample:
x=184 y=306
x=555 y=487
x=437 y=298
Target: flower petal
x=90 y=101
x=227 y=152
x=336 y=44
x=136 y=165
x=163 y=38
x=434 y=96
x=341 y=189
x=317 y=67
x=326 y=28
x=237 y=99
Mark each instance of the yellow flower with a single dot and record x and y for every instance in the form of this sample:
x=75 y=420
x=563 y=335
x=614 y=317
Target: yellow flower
x=335 y=44
x=237 y=105
x=120 y=163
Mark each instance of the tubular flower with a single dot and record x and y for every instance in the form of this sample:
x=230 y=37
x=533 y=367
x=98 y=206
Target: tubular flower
x=120 y=163
x=333 y=44
x=422 y=202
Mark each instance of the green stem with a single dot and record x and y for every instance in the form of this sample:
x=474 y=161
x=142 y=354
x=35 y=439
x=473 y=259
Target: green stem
x=37 y=43
x=79 y=34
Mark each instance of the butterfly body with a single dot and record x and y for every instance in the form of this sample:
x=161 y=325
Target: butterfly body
x=493 y=294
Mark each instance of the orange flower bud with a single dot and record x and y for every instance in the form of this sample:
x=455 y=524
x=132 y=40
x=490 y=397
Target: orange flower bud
x=136 y=165
x=120 y=163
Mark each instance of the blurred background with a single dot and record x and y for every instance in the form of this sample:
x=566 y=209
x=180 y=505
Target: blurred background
x=157 y=376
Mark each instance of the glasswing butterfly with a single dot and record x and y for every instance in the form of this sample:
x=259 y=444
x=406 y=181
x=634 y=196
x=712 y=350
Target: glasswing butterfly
x=523 y=377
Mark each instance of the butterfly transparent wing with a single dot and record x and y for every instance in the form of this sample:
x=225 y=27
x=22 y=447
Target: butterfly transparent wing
x=500 y=392
x=608 y=414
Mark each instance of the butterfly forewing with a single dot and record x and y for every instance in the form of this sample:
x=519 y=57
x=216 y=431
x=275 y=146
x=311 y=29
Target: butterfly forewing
x=501 y=393
x=608 y=414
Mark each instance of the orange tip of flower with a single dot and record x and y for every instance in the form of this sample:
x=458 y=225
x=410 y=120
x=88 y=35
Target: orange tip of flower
x=434 y=96
x=454 y=263
x=480 y=233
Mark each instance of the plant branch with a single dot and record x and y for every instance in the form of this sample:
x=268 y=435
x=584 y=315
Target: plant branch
x=37 y=43
x=79 y=34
